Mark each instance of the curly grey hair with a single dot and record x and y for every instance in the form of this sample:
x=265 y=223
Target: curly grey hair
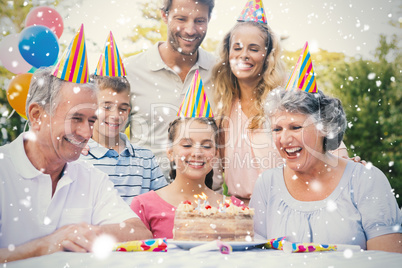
x=326 y=111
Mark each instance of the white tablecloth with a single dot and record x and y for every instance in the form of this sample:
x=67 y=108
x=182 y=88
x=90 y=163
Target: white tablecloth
x=182 y=258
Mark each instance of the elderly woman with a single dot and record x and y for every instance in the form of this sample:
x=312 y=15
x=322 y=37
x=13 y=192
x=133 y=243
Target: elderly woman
x=317 y=196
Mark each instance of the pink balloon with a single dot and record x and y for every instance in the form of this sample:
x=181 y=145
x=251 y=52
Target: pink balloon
x=45 y=16
x=10 y=55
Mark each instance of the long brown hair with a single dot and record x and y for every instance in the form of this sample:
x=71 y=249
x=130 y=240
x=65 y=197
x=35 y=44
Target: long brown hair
x=225 y=82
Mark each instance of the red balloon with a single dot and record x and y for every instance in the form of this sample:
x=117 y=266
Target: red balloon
x=17 y=92
x=45 y=16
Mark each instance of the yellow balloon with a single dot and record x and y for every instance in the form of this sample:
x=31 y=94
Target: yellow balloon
x=17 y=92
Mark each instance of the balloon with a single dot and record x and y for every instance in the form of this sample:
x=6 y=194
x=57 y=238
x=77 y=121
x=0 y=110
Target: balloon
x=32 y=70
x=38 y=46
x=17 y=92
x=10 y=55
x=45 y=16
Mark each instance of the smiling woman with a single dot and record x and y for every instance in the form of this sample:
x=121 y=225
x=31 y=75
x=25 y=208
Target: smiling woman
x=309 y=197
x=249 y=68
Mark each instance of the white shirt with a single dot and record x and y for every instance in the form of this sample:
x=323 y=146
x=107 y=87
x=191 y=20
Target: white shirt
x=361 y=207
x=157 y=95
x=27 y=209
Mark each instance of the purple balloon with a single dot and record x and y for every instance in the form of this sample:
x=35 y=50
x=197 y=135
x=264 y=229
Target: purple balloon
x=10 y=55
x=38 y=45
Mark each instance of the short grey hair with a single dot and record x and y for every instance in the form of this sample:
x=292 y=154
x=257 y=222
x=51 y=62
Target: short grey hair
x=326 y=110
x=45 y=90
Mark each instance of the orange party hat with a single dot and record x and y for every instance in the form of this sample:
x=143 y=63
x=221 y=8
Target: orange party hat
x=195 y=103
x=253 y=11
x=73 y=64
x=110 y=62
x=303 y=76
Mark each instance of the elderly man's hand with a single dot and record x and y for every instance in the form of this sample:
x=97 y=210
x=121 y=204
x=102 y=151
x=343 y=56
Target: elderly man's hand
x=76 y=238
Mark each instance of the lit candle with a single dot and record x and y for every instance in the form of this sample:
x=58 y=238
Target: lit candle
x=198 y=201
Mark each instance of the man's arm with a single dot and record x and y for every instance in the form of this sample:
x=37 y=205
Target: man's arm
x=76 y=237
x=131 y=229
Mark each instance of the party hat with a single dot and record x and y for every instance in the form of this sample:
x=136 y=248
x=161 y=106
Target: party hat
x=303 y=76
x=253 y=11
x=73 y=64
x=110 y=63
x=195 y=103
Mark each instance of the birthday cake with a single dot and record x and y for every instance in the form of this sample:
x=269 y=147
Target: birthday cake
x=206 y=223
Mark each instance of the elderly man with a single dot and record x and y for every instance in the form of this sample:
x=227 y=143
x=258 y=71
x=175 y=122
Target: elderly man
x=48 y=201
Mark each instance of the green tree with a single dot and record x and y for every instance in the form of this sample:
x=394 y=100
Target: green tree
x=13 y=14
x=12 y=18
x=372 y=101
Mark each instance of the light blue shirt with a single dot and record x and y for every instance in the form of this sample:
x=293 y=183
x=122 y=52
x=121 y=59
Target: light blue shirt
x=360 y=208
x=133 y=172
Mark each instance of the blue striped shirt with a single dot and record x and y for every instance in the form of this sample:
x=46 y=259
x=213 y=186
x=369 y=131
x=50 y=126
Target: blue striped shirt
x=133 y=172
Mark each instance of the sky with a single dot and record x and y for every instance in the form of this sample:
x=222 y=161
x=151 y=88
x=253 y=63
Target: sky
x=349 y=26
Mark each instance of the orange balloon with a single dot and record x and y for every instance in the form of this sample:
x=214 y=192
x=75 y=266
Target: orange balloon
x=17 y=92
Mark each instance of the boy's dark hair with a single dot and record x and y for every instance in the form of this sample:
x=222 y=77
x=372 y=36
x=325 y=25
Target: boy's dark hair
x=166 y=4
x=117 y=84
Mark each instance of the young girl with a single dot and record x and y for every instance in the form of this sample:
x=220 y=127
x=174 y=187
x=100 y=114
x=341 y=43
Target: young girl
x=192 y=152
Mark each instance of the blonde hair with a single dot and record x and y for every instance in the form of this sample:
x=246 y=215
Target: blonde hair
x=225 y=82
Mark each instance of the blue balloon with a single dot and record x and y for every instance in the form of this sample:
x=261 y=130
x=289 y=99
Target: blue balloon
x=38 y=45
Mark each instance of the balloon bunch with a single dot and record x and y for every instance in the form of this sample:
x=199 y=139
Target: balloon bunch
x=34 y=47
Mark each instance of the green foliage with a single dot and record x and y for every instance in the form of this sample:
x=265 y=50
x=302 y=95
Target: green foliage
x=12 y=18
x=372 y=101
x=155 y=33
x=12 y=13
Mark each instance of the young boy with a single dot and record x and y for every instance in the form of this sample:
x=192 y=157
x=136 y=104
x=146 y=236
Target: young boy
x=132 y=169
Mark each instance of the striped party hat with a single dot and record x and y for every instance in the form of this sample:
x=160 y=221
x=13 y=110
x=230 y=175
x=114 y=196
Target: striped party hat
x=195 y=103
x=303 y=76
x=110 y=62
x=253 y=11
x=73 y=64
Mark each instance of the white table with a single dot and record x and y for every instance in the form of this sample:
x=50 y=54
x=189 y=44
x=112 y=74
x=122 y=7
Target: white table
x=176 y=257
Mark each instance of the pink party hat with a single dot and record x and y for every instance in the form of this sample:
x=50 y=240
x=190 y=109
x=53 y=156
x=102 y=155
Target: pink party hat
x=253 y=11
x=303 y=76
x=110 y=63
x=73 y=64
x=195 y=103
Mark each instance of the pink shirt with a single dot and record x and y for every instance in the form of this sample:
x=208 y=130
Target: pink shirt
x=247 y=153
x=157 y=214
